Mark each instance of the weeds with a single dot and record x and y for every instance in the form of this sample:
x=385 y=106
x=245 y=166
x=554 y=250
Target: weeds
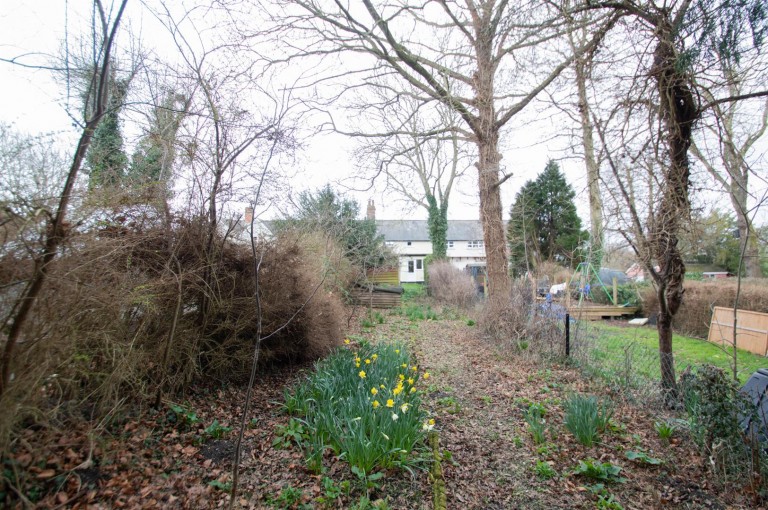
x=642 y=458
x=586 y=417
x=216 y=430
x=664 y=429
x=536 y=424
x=544 y=470
x=603 y=472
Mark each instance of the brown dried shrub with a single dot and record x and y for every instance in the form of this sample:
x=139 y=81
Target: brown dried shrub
x=100 y=328
x=700 y=298
x=521 y=325
x=450 y=285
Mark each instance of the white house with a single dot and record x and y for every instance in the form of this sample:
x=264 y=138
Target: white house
x=409 y=239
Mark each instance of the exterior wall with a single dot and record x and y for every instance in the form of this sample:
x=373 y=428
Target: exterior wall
x=460 y=255
x=422 y=248
x=462 y=249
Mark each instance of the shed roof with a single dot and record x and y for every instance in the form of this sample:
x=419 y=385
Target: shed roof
x=417 y=230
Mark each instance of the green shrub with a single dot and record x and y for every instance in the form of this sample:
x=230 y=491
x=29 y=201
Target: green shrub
x=715 y=406
x=586 y=417
x=216 y=430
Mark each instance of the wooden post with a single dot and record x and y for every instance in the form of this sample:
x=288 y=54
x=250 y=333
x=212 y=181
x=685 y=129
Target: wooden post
x=615 y=292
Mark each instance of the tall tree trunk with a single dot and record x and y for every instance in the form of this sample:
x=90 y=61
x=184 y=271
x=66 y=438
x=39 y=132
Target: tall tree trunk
x=487 y=139
x=678 y=111
x=499 y=285
x=593 y=170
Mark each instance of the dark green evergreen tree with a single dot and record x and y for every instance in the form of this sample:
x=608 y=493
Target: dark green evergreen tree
x=326 y=211
x=544 y=225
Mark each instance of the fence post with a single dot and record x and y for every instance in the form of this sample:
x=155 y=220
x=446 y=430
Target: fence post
x=567 y=335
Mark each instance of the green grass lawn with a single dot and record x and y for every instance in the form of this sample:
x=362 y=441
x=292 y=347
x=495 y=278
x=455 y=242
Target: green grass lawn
x=611 y=343
x=413 y=291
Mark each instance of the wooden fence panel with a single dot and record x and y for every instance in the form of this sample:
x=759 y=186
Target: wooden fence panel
x=751 y=329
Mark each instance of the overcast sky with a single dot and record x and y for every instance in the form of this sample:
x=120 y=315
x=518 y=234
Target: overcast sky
x=33 y=101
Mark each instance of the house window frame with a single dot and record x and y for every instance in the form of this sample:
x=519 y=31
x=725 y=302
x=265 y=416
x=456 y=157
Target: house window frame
x=410 y=266
x=475 y=244
x=419 y=264
x=408 y=243
x=450 y=244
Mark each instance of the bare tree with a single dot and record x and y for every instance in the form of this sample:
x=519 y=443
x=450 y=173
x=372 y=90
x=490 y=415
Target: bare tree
x=674 y=110
x=105 y=29
x=726 y=149
x=491 y=53
x=420 y=157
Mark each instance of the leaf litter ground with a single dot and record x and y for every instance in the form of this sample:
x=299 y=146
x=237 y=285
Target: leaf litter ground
x=478 y=395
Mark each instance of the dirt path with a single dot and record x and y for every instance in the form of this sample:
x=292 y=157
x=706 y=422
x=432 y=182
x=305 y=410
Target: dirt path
x=480 y=397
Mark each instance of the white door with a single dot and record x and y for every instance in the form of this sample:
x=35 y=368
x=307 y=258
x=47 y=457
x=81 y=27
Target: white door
x=412 y=269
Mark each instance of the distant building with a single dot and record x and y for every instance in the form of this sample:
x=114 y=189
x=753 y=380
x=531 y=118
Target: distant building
x=409 y=239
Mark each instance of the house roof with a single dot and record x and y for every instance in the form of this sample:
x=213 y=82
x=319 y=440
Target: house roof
x=417 y=230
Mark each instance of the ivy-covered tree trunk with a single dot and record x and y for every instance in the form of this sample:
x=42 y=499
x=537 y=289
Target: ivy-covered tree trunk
x=438 y=227
x=678 y=111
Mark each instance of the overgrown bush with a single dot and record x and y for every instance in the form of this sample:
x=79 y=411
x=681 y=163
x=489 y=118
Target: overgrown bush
x=522 y=324
x=716 y=407
x=132 y=307
x=450 y=285
x=700 y=298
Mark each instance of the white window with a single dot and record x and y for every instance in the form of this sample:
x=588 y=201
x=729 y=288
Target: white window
x=474 y=244
x=408 y=243
x=450 y=244
x=418 y=264
x=410 y=266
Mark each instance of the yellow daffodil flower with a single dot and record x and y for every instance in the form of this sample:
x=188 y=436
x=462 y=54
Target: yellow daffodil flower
x=367 y=362
x=346 y=341
x=374 y=391
x=426 y=375
x=361 y=374
x=376 y=404
x=390 y=403
x=374 y=357
x=410 y=381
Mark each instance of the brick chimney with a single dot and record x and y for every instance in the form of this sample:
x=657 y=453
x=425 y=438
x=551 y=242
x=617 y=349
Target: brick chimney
x=371 y=213
x=248 y=215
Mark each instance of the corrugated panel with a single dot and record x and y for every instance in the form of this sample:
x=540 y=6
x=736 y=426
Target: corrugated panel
x=375 y=299
x=389 y=276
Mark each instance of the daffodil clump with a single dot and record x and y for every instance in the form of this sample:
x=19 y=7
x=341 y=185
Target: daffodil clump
x=364 y=404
